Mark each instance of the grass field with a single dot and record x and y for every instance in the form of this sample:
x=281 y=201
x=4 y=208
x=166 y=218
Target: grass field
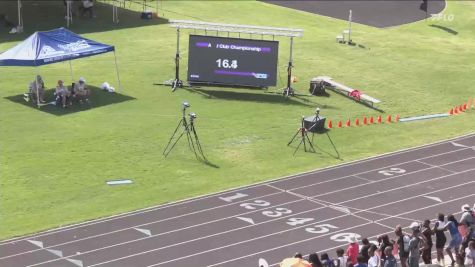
x=54 y=163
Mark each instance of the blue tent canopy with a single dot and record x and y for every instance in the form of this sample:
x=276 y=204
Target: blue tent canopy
x=53 y=46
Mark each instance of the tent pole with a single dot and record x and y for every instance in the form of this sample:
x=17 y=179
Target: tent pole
x=71 y=70
x=37 y=90
x=117 y=71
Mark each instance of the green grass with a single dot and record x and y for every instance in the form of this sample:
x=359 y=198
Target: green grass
x=54 y=164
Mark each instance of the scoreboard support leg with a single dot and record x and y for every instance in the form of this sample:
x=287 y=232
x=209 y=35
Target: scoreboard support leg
x=289 y=91
x=177 y=82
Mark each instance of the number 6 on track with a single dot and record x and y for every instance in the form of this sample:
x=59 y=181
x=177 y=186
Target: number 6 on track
x=320 y=228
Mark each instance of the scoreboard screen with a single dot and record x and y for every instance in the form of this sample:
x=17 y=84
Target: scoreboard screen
x=232 y=61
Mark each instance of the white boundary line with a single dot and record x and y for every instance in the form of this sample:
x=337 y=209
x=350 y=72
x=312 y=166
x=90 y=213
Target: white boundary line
x=392 y=177
x=291 y=215
x=227 y=191
x=246 y=200
x=305 y=240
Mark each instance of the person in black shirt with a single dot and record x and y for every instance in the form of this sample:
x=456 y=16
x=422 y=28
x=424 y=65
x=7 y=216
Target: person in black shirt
x=427 y=234
x=364 y=249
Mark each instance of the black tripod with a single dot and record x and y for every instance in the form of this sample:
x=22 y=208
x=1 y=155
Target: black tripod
x=302 y=131
x=191 y=135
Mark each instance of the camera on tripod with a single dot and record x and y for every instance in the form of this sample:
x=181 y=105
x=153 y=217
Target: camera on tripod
x=192 y=115
x=186 y=105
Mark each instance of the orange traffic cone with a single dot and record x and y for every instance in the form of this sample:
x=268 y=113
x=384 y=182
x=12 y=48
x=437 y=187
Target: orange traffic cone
x=380 y=119
x=390 y=118
x=456 y=110
x=330 y=124
x=461 y=108
x=340 y=124
x=371 y=120
x=465 y=107
x=348 y=123
x=357 y=122
x=451 y=112
x=397 y=118
x=365 y=121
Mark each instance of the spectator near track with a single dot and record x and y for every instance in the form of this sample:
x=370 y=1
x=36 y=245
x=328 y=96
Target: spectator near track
x=374 y=260
x=360 y=262
x=467 y=220
x=390 y=259
x=364 y=249
x=456 y=238
x=403 y=245
x=353 y=251
x=383 y=243
x=427 y=234
x=326 y=260
x=470 y=255
x=341 y=259
x=415 y=245
x=440 y=239
x=314 y=260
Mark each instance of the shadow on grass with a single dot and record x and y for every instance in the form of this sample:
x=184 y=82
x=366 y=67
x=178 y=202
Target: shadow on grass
x=254 y=97
x=320 y=135
x=47 y=15
x=98 y=98
x=449 y=30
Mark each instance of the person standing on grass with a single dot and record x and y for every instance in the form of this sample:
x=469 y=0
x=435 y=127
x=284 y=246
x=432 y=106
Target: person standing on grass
x=403 y=245
x=427 y=234
x=390 y=259
x=438 y=230
x=415 y=245
x=353 y=250
x=365 y=249
x=452 y=226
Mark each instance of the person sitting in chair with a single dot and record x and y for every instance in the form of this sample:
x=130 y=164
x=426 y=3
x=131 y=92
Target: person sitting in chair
x=81 y=91
x=37 y=89
x=62 y=93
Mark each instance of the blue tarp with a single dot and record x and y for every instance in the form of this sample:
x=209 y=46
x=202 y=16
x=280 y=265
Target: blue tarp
x=53 y=46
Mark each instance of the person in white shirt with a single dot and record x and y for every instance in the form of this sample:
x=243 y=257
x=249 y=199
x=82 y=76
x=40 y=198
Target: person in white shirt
x=374 y=260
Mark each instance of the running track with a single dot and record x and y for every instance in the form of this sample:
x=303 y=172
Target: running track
x=315 y=211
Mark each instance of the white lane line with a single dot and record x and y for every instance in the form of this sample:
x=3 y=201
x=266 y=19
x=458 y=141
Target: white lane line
x=343 y=208
x=406 y=186
x=303 y=198
x=227 y=191
x=260 y=237
x=58 y=253
x=390 y=178
x=146 y=224
x=184 y=242
x=439 y=166
x=326 y=249
x=381 y=168
x=364 y=179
